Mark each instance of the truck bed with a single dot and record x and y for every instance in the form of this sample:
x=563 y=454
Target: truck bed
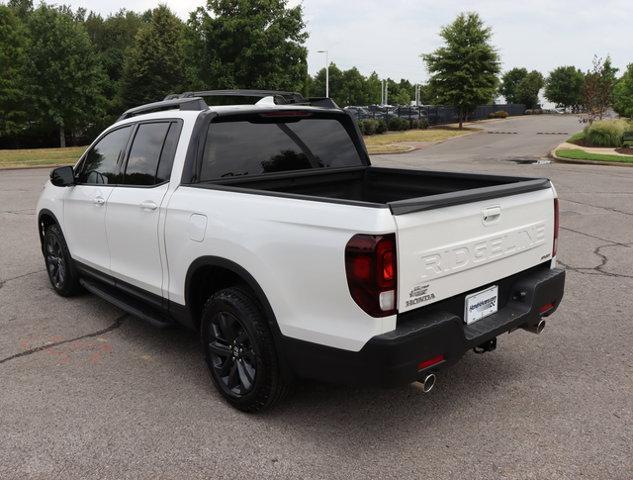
x=402 y=190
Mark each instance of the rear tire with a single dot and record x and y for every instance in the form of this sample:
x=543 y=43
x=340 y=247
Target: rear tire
x=240 y=351
x=61 y=271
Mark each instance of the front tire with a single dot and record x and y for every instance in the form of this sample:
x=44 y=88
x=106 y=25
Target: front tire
x=61 y=271
x=240 y=351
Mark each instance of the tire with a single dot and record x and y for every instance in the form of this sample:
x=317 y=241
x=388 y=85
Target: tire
x=240 y=352
x=61 y=271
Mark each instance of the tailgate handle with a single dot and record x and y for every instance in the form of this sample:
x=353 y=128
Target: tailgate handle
x=491 y=215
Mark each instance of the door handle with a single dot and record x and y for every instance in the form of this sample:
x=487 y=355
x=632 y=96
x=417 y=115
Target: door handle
x=491 y=215
x=98 y=201
x=148 y=205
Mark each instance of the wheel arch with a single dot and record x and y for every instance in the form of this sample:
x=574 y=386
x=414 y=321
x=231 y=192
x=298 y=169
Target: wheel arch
x=45 y=218
x=209 y=274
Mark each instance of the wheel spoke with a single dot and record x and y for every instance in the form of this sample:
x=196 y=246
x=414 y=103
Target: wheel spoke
x=225 y=368
x=219 y=349
x=227 y=327
x=233 y=379
x=246 y=376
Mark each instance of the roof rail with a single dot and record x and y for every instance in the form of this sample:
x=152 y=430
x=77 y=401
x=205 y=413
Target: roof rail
x=280 y=97
x=191 y=103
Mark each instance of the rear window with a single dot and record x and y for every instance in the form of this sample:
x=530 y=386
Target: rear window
x=255 y=147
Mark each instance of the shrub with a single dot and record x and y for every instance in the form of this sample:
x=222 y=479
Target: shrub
x=381 y=126
x=368 y=127
x=606 y=133
x=423 y=123
x=498 y=114
x=397 y=124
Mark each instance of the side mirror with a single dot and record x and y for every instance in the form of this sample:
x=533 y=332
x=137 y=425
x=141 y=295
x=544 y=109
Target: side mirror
x=63 y=177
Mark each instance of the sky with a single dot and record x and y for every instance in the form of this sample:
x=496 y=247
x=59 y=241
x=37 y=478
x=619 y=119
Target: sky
x=388 y=37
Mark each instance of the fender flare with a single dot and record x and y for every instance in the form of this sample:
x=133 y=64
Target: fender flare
x=256 y=289
x=242 y=273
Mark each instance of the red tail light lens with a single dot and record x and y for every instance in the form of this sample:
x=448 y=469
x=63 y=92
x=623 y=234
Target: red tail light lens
x=430 y=362
x=556 y=227
x=370 y=265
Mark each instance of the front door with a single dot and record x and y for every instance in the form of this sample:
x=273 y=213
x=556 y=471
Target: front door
x=85 y=204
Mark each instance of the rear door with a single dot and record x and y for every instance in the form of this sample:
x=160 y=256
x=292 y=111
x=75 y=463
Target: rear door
x=85 y=202
x=452 y=250
x=134 y=207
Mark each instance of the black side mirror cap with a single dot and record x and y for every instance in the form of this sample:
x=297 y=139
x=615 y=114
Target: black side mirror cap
x=63 y=177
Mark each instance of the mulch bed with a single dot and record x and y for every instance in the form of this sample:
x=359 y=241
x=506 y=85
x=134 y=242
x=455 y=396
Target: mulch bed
x=626 y=151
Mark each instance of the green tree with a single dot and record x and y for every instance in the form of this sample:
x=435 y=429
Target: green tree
x=528 y=89
x=64 y=76
x=598 y=87
x=354 y=90
x=509 y=83
x=373 y=87
x=464 y=71
x=317 y=85
x=564 y=87
x=13 y=58
x=155 y=65
x=623 y=94
x=248 y=44
x=111 y=38
x=21 y=7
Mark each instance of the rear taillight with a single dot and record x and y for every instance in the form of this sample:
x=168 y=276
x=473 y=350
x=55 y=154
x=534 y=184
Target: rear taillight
x=370 y=264
x=556 y=227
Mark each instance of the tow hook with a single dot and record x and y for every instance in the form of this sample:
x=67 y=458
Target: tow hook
x=487 y=346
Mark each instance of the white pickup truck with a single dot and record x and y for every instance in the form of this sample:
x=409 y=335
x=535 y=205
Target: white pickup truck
x=265 y=228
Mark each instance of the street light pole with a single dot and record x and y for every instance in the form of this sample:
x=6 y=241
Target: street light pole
x=327 y=73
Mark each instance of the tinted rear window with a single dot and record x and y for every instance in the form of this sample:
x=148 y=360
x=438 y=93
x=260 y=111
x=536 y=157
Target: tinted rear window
x=244 y=147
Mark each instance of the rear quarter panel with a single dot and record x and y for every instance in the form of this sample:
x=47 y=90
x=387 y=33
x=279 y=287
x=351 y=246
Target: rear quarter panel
x=295 y=250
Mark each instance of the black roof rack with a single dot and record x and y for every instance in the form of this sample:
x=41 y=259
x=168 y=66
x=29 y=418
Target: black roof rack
x=191 y=103
x=280 y=97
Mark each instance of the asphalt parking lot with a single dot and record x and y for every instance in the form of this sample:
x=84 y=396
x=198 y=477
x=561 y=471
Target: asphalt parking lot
x=88 y=392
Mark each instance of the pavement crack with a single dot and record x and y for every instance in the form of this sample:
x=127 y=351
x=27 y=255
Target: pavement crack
x=611 y=242
x=116 y=324
x=609 y=209
x=599 y=269
x=2 y=282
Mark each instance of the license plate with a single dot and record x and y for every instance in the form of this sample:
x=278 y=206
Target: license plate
x=481 y=304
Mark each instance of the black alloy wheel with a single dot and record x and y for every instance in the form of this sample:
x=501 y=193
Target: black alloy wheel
x=232 y=354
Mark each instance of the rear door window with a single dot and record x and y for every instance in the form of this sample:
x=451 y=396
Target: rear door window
x=142 y=163
x=255 y=147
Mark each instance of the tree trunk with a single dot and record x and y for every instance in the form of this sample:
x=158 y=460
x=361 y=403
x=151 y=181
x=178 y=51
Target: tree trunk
x=62 y=136
x=461 y=119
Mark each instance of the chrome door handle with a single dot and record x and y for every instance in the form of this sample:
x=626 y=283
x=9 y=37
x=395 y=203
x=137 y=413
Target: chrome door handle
x=98 y=201
x=148 y=205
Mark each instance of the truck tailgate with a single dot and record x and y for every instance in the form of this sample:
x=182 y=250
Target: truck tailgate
x=446 y=251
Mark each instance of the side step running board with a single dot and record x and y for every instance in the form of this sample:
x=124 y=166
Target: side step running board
x=128 y=303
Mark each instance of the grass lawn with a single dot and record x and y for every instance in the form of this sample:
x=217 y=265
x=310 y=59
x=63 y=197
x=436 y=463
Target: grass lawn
x=576 y=154
x=39 y=157
x=393 y=142
x=577 y=138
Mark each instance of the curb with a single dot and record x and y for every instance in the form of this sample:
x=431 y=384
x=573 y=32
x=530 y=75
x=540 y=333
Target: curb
x=556 y=158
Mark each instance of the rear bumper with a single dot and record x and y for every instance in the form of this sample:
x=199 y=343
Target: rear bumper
x=393 y=358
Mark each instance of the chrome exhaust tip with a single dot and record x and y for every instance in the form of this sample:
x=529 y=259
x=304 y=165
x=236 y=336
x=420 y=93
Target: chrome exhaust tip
x=428 y=383
x=536 y=328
